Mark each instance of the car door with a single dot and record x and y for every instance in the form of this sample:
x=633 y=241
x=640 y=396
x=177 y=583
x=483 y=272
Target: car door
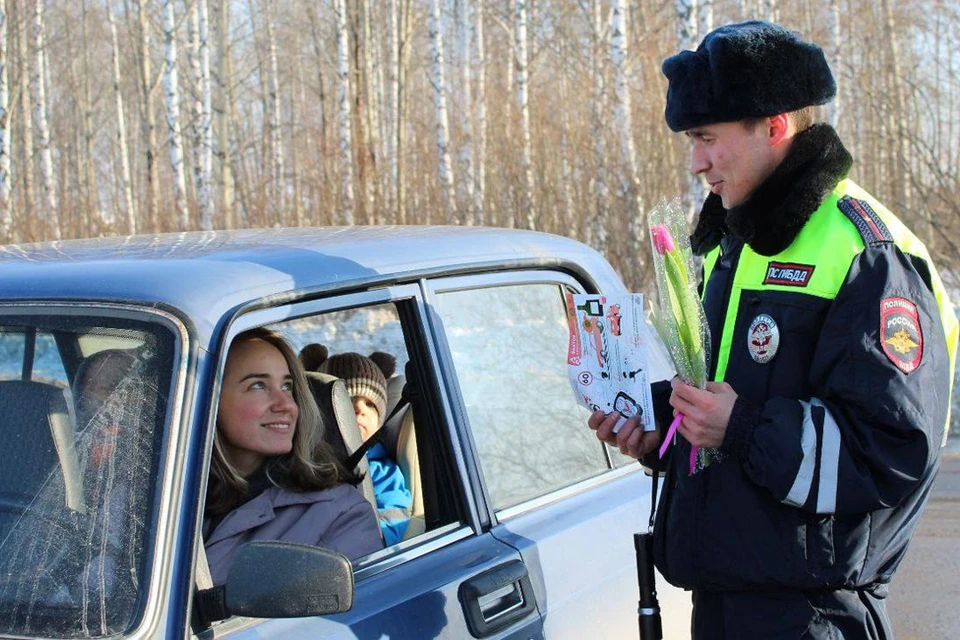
x=568 y=504
x=455 y=579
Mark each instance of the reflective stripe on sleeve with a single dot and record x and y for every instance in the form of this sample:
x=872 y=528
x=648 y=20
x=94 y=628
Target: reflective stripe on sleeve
x=808 y=442
x=829 y=460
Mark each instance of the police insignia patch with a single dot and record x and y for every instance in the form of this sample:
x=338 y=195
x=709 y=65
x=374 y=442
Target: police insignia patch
x=900 y=335
x=763 y=338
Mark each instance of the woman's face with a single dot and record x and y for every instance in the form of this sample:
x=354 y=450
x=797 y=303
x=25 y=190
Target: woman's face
x=258 y=414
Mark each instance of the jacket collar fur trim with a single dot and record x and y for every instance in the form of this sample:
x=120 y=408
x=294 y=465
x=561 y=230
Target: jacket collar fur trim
x=770 y=220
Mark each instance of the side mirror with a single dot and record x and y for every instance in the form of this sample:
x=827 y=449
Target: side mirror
x=284 y=580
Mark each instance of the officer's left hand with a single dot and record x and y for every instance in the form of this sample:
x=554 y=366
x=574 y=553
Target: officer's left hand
x=706 y=412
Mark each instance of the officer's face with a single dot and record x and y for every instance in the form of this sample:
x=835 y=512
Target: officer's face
x=733 y=158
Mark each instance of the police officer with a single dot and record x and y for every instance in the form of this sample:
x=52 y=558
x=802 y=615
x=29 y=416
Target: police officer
x=833 y=344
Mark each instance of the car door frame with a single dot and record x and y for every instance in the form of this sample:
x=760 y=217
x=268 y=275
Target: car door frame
x=488 y=553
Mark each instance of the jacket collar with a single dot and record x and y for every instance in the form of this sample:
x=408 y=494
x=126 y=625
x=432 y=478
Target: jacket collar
x=770 y=220
x=260 y=510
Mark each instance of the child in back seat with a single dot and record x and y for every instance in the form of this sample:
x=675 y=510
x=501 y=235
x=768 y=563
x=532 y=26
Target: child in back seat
x=366 y=381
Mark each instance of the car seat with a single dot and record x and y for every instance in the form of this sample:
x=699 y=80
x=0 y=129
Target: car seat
x=400 y=439
x=341 y=432
x=37 y=439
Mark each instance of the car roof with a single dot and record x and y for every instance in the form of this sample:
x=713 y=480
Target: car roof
x=204 y=275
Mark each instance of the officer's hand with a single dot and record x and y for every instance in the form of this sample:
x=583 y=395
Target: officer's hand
x=706 y=412
x=630 y=439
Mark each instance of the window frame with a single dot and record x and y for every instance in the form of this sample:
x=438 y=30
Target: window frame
x=451 y=284
x=170 y=489
x=409 y=301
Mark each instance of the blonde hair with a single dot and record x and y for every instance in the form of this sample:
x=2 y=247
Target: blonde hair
x=311 y=464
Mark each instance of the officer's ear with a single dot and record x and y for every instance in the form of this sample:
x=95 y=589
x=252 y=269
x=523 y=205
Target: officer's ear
x=779 y=129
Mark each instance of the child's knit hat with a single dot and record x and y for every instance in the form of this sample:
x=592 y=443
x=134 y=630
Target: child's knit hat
x=363 y=376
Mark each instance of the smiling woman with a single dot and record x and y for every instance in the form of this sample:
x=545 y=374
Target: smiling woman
x=272 y=477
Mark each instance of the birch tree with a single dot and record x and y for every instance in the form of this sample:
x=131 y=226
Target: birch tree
x=598 y=229
x=225 y=111
x=6 y=211
x=172 y=94
x=50 y=214
x=393 y=107
x=202 y=112
x=276 y=132
x=440 y=103
x=147 y=117
x=688 y=37
x=629 y=183
x=26 y=109
x=343 y=98
x=836 y=62
x=467 y=181
x=481 y=103
x=129 y=206
x=523 y=103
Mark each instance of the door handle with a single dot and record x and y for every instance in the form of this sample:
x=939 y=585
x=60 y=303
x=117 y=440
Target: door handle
x=497 y=597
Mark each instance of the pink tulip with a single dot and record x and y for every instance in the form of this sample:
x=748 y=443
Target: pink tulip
x=662 y=241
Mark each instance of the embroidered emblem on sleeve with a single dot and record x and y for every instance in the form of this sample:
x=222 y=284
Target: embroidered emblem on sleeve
x=900 y=334
x=763 y=338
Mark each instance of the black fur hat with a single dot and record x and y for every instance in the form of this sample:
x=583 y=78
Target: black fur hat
x=746 y=70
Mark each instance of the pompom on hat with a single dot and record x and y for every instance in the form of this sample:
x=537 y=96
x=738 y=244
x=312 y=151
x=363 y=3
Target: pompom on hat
x=746 y=70
x=363 y=376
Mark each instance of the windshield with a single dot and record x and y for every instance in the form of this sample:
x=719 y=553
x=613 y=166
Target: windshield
x=83 y=404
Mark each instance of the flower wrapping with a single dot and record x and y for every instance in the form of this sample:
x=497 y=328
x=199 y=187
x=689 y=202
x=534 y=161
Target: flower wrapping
x=678 y=315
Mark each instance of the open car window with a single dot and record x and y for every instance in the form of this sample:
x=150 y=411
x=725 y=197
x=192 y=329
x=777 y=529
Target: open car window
x=80 y=433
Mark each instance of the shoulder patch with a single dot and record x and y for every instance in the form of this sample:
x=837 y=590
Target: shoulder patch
x=866 y=220
x=788 y=274
x=900 y=334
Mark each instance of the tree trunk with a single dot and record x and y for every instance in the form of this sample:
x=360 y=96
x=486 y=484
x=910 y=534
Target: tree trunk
x=149 y=120
x=172 y=91
x=468 y=180
x=225 y=93
x=836 y=63
x=406 y=37
x=440 y=103
x=597 y=232
x=276 y=132
x=26 y=109
x=897 y=115
x=6 y=211
x=205 y=173
x=630 y=183
x=480 y=194
x=105 y=217
x=343 y=97
x=393 y=109
x=50 y=215
x=688 y=37
x=129 y=207
x=523 y=103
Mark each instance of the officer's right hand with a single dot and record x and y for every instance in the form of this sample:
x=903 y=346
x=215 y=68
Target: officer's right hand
x=630 y=439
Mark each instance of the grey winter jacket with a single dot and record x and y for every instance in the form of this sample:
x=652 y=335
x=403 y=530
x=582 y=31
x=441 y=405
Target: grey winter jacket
x=339 y=519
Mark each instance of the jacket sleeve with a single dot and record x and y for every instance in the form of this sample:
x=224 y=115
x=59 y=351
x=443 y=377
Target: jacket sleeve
x=393 y=500
x=871 y=430
x=354 y=532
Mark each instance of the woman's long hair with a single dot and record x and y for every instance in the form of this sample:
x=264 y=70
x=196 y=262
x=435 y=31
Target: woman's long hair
x=311 y=464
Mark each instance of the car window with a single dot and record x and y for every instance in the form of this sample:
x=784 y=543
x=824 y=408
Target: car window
x=77 y=483
x=47 y=366
x=509 y=346
x=411 y=439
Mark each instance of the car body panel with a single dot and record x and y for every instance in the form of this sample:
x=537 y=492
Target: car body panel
x=207 y=281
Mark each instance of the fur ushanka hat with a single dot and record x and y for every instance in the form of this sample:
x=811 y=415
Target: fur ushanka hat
x=746 y=70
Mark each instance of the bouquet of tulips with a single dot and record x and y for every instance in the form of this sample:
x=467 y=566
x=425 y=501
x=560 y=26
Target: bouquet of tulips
x=679 y=317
